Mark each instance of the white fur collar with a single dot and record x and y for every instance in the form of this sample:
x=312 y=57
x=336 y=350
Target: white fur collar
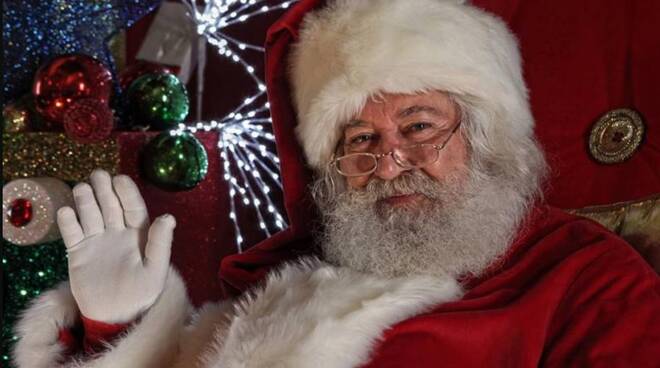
x=311 y=314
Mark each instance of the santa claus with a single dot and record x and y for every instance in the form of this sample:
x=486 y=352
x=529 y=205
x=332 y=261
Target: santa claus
x=433 y=246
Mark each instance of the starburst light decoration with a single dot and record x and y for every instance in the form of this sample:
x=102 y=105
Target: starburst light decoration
x=245 y=142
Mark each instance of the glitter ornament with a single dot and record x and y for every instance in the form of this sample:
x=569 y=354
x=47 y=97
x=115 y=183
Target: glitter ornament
x=20 y=116
x=67 y=79
x=20 y=212
x=88 y=121
x=16 y=116
x=174 y=162
x=158 y=100
x=140 y=68
x=46 y=196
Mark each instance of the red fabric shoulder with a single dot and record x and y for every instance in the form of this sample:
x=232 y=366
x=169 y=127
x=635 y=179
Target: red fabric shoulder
x=569 y=294
x=610 y=314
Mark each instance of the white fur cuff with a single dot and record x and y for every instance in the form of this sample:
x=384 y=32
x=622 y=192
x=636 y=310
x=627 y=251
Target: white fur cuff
x=150 y=343
x=39 y=326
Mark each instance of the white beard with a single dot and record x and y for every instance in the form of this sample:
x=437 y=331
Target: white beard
x=464 y=226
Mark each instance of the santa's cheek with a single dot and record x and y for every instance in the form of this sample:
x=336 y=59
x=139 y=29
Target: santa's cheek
x=452 y=162
x=358 y=181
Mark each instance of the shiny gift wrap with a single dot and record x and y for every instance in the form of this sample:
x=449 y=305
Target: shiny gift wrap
x=55 y=155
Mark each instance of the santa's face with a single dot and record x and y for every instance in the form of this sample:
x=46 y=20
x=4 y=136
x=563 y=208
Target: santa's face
x=452 y=217
x=392 y=121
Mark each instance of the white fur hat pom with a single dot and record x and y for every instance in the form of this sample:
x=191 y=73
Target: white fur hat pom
x=352 y=49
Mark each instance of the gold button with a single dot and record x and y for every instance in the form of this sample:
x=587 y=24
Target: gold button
x=616 y=136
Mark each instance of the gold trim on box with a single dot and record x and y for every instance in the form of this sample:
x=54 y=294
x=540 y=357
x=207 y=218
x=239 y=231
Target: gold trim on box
x=27 y=155
x=616 y=136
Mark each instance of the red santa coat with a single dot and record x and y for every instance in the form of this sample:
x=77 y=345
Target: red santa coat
x=568 y=293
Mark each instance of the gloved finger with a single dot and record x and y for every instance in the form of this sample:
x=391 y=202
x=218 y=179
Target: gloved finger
x=159 y=243
x=135 y=211
x=88 y=211
x=70 y=229
x=110 y=207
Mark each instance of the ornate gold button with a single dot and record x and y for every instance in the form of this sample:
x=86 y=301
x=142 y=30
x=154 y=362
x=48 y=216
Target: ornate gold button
x=616 y=136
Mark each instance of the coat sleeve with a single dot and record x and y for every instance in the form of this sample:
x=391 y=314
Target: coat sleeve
x=610 y=316
x=153 y=342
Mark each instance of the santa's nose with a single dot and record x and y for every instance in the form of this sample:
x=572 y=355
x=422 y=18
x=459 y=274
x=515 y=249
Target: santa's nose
x=388 y=168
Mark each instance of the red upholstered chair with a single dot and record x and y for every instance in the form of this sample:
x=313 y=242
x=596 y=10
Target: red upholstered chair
x=582 y=60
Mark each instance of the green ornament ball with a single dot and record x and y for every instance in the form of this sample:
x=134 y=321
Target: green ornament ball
x=175 y=162
x=158 y=100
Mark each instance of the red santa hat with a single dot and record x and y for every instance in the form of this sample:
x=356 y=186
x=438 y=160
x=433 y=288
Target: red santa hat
x=351 y=50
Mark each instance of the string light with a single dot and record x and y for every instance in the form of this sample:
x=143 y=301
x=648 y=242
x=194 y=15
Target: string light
x=244 y=134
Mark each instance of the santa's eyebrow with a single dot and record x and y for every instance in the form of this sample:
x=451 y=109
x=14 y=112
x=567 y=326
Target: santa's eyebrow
x=355 y=123
x=420 y=108
x=401 y=114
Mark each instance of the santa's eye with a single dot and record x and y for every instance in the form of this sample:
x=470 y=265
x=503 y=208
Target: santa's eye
x=359 y=139
x=421 y=130
x=416 y=127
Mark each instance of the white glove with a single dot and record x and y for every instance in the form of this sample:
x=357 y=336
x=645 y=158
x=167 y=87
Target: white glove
x=116 y=269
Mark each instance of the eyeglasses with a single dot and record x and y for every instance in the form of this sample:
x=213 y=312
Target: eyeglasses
x=409 y=157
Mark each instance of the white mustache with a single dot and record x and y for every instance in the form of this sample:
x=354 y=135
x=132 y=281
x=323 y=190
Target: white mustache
x=410 y=182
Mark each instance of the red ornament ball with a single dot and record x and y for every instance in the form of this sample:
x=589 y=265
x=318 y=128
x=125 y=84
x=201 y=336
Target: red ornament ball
x=140 y=68
x=20 y=212
x=67 y=79
x=88 y=121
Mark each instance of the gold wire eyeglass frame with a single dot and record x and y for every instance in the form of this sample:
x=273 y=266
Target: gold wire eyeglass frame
x=396 y=157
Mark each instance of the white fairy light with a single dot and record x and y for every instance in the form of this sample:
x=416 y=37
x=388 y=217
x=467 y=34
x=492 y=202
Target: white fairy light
x=245 y=141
